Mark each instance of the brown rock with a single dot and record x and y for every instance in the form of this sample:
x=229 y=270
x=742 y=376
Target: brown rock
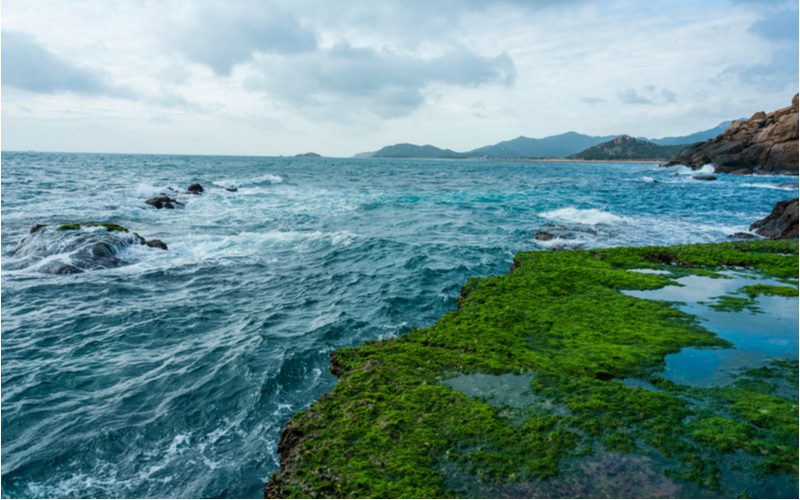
x=766 y=143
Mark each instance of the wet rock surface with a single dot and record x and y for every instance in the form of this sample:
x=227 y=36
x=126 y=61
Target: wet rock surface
x=780 y=223
x=766 y=143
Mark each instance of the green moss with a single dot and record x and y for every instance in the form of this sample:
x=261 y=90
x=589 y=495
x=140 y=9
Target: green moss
x=781 y=291
x=730 y=303
x=77 y=225
x=391 y=428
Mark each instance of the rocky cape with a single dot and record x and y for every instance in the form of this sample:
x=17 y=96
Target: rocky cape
x=766 y=143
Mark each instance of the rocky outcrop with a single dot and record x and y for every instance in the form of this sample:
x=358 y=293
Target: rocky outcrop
x=781 y=223
x=766 y=143
x=195 y=189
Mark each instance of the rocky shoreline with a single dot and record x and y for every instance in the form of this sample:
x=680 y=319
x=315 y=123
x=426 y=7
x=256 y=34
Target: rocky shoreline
x=394 y=427
x=766 y=143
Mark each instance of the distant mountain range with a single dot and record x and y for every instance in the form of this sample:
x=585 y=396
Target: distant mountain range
x=625 y=147
x=554 y=146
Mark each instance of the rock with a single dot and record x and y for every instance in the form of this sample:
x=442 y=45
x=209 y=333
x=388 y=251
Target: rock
x=163 y=201
x=705 y=177
x=74 y=247
x=195 y=189
x=543 y=236
x=231 y=189
x=37 y=227
x=156 y=244
x=781 y=223
x=766 y=143
x=787 y=185
x=741 y=236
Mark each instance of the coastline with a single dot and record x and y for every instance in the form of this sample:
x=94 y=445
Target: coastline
x=392 y=427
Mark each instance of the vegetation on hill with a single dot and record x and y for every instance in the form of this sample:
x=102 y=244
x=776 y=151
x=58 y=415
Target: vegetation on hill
x=626 y=147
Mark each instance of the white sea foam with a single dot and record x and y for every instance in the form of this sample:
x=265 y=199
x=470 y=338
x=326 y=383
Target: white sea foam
x=765 y=185
x=647 y=179
x=572 y=215
x=708 y=168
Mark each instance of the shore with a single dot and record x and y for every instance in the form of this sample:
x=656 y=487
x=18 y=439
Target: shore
x=524 y=391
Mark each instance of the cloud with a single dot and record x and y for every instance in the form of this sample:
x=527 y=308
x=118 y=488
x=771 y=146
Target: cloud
x=777 y=24
x=383 y=82
x=649 y=94
x=223 y=34
x=27 y=65
x=593 y=101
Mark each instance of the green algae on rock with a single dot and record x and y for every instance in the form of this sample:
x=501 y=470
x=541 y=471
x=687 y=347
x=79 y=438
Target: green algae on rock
x=408 y=417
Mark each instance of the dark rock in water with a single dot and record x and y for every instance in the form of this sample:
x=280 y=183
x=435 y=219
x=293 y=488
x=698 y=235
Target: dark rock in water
x=543 y=236
x=766 y=143
x=156 y=244
x=704 y=177
x=781 y=223
x=163 y=201
x=741 y=236
x=231 y=189
x=195 y=189
x=77 y=247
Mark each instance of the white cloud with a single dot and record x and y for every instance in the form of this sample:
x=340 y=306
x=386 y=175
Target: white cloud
x=342 y=77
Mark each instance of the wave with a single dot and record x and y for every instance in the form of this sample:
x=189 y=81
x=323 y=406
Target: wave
x=572 y=215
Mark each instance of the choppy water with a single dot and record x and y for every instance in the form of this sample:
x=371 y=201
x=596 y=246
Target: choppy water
x=173 y=374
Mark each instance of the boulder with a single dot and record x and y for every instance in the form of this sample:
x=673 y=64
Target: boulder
x=231 y=189
x=741 y=236
x=705 y=177
x=195 y=189
x=543 y=236
x=780 y=223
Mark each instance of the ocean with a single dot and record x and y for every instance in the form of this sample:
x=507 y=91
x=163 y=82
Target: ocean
x=171 y=373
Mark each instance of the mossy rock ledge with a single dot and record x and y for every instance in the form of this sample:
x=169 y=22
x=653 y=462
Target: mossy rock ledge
x=520 y=393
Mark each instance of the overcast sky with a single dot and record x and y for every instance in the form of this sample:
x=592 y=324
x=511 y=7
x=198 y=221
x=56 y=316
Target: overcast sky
x=340 y=77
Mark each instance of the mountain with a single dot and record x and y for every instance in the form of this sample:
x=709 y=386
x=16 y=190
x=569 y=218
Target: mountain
x=626 y=147
x=553 y=146
x=766 y=143
x=693 y=138
x=406 y=150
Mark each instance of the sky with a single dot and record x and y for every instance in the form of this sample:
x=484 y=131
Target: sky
x=340 y=77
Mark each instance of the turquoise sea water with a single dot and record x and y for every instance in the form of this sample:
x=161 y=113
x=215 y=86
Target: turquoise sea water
x=172 y=374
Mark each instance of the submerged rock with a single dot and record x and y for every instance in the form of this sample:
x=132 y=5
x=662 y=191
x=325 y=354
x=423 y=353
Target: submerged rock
x=741 y=236
x=543 y=236
x=766 y=143
x=780 y=223
x=705 y=177
x=195 y=189
x=231 y=189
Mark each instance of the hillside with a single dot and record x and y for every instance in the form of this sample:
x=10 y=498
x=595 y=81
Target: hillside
x=626 y=147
